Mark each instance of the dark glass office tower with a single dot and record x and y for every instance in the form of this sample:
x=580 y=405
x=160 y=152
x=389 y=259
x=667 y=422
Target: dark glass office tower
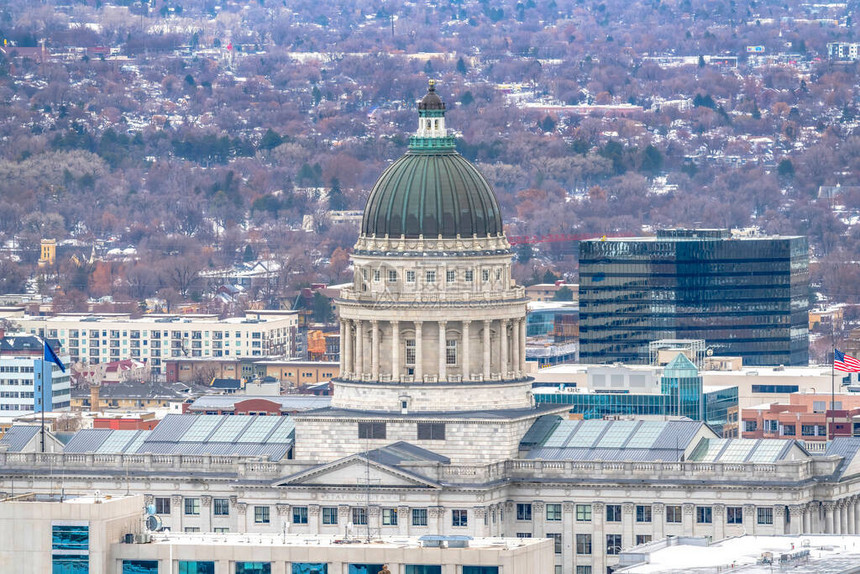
x=746 y=296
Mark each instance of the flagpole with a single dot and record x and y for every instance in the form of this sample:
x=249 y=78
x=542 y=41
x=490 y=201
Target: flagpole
x=832 y=391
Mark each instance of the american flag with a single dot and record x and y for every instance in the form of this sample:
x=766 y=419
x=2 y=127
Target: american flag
x=845 y=363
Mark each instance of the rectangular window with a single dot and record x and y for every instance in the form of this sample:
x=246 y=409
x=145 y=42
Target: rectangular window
x=704 y=515
x=807 y=430
x=329 y=515
x=643 y=513
x=480 y=570
x=643 y=539
x=192 y=529
x=392 y=276
x=359 y=516
x=613 y=544
x=764 y=515
x=524 y=534
x=410 y=351
x=75 y=537
x=451 y=351
x=261 y=514
x=431 y=431
x=371 y=430
x=192 y=506
x=450 y=276
x=789 y=430
x=673 y=514
x=583 y=513
x=300 y=515
x=524 y=511
x=430 y=277
x=220 y=530
x=459 y=518
x=485 y=275
x=141 y=567
x=750 y=426
x=162 y=505
x=613 y=513
x=469 y=276
x=553 y=512
x=410 y=277
x=585 y=569
x=389 y=517
x=196 y=567
x=253 y=568
x=819 y=406
x=583 y=543
x=419 y=517
x=734 y=515
x=556 y=538
x=377 y=276
x=221 y=506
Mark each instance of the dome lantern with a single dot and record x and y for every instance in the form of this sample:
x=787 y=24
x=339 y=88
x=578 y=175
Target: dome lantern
x=432 y=191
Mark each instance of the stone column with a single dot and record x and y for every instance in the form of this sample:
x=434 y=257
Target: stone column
x=486 y=350
x=567 y=536
x=359 y=351
x=523 y=342
x=241 y=511
x=374 y=350
x=849 y=507
x=419 y=352
x=828 y=517
x=346 y=348
x=443 y=363
x=795 y=519
x=206 y=510
x=436 y=519
x=843 y=517
x=687 y=518
x=395 y=351
x=598 y=537
x=658 y=521
x=856 y=502
x=343 y=363
x=749 y=518
x=283 y=512
x=503 y=348
x=628 y=518
x=481 y=520
x=465 y=354
x=779 y=519
x=176 y=513
x=538 y=519
x=404 y=519
x=515 y=349
x=343 y=518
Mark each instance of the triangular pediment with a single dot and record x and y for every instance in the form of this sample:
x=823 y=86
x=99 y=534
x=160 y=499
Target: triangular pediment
x=356 y=471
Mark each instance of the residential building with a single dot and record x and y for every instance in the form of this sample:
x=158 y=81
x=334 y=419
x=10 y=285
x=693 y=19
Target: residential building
x=843 y=50
x=745 y=295
x=91 y=338
x=807 y=417
x=19 y=356
x=548 y=291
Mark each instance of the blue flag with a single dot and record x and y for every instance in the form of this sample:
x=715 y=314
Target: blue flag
x=52 y=357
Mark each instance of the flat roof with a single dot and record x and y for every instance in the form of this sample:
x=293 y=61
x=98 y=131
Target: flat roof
x=356 y=540
x=827 y=554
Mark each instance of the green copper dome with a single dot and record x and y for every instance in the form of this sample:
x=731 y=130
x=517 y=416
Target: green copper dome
x=432 y=190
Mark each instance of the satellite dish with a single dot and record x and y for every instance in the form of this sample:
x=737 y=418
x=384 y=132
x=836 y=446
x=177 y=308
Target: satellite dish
x=153 y=523
x=150 y=509
x=709 y=352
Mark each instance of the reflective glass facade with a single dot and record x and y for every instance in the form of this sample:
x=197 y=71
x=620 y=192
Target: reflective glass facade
x=715 y=408
x=70 y=545
x=746 y=297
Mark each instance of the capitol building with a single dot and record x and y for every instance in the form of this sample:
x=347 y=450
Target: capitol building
x=432 y=427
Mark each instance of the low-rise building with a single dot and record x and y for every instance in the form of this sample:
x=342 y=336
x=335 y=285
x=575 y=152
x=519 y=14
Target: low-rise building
x=91 y=338
x=807 y=417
